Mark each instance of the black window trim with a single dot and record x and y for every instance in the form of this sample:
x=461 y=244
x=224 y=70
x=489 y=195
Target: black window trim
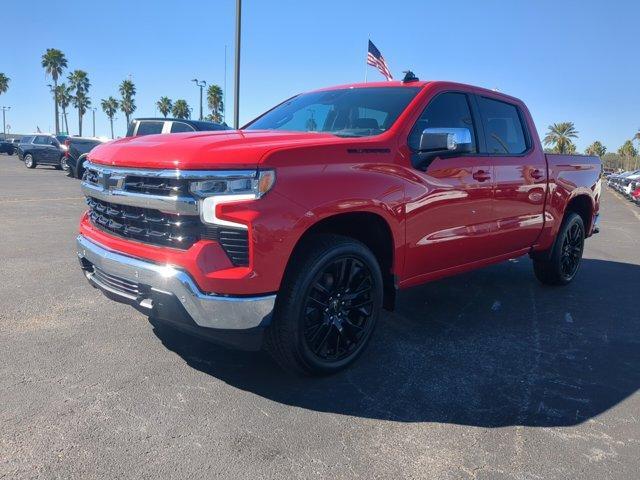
x=474 y=119
x=183 y=123
x=525 y=129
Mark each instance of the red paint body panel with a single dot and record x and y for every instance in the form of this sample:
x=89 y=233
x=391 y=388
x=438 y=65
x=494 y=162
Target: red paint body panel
x=459 y=214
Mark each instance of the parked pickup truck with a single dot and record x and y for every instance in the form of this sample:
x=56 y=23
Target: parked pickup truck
x=295 y=231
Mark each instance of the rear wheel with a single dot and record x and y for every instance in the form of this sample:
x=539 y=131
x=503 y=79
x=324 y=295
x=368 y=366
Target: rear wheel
x=62 y=165
x=328 y=306
x=29 y=161
x=561 y=267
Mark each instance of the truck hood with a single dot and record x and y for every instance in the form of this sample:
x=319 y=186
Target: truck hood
x=232 y=149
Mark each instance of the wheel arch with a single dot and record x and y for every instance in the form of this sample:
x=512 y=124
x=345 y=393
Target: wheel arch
x=369 y=228
x=583 y=205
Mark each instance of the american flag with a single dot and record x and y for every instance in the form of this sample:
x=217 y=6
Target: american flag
x=375 y=59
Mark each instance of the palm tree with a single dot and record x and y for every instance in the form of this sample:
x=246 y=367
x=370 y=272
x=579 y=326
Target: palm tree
x=4 y=83
x=560 y=135
x=181 y=109
x=127 y=103
x=79 y=81
x=110 y=107
x=627 y=152
x=596 y=148
x=54 y=62
x=164 y=106
x=215 y=102
x=82 y=102
x=63 y=97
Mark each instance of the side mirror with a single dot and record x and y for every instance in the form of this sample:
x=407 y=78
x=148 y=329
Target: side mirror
x=445 y=141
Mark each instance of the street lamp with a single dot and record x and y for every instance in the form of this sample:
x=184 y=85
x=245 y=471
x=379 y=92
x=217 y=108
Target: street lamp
x=93 y=111
x=4 y=123
x=201 y=85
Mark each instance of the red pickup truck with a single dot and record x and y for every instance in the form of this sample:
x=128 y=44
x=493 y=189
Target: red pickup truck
x=295 y=231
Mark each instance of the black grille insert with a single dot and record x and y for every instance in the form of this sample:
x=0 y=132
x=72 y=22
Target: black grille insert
x=234 y=241
x=165 y=229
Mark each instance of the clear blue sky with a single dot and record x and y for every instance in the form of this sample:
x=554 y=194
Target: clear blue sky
x=569 y=60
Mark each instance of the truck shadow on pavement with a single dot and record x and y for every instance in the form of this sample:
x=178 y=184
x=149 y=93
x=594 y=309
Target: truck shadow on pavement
x=491 y=348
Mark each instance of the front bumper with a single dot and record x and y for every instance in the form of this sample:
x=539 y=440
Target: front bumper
x=169 y=294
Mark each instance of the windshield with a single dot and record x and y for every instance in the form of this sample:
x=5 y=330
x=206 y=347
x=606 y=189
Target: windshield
x=350 y=112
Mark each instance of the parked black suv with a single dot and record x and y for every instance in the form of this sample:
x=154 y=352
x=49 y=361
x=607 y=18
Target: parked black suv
x=152 y=126
x=42 y=149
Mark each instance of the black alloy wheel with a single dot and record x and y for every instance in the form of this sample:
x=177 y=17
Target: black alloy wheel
x=572 y=247
x=338 y=309
x=560 y=265
x=327 y=307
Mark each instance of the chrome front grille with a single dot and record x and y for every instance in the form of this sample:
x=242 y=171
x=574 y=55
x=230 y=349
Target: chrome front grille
x=156 y=207
x=170 y=187
x=145 y=225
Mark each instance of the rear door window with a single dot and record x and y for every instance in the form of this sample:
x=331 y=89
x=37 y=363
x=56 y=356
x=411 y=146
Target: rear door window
x=503 y=127
x=26 y=139
x=178 y=127
x=149 y=128
x=84 y=146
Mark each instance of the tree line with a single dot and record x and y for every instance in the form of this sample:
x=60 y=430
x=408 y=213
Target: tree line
x=75 y=92
x=560 y=138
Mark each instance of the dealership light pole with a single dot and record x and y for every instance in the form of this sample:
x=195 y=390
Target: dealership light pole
x=93 y=110
x=236 y=80
x=201 y=85
x=4 y=123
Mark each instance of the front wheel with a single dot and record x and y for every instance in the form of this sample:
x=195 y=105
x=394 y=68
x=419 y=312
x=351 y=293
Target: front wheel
x=561 y=267
x=328 y=306
x=29 y=161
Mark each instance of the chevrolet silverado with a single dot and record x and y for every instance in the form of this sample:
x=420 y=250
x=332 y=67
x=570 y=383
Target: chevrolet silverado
x=294 y=232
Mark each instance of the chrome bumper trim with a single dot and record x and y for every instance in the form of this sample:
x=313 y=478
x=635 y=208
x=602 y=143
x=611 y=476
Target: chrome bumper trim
x=206 y=310
x=181 y=205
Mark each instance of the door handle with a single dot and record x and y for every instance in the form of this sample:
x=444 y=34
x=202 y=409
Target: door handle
x=537 y=174
x=481 y=176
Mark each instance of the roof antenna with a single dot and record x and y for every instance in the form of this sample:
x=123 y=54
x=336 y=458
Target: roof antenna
x=409 y=77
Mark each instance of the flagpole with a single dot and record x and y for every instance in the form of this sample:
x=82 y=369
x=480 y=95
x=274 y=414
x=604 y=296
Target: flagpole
x=365 y=58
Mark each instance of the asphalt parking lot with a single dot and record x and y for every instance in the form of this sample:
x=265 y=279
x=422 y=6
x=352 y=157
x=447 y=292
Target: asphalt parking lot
x=488 y=375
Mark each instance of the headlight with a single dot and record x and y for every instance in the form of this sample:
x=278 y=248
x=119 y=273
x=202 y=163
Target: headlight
x=230 y=187
x=235 y=183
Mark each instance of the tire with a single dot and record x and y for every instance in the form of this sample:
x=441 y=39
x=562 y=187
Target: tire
x=29 y=161
x=62 y=165
x=561 y=267
x=79 y=169
x=320 y=324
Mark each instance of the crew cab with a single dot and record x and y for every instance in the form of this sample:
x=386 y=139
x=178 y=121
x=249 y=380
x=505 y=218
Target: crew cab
x=293 y=232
